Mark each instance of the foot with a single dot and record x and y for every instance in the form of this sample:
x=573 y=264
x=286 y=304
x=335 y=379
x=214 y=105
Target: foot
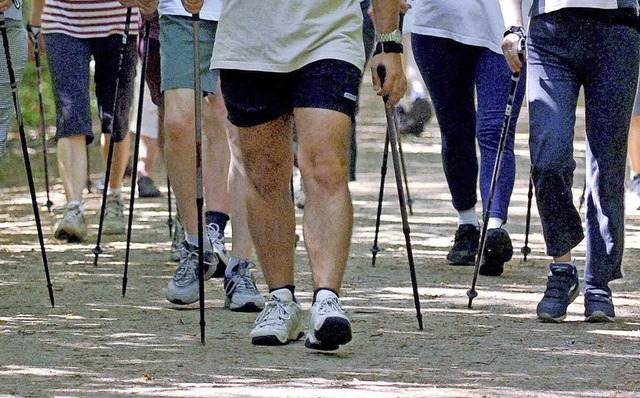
x=562 y=290
x=299 y=196
x=113 y=222
x=497 y=251
x=240 y=288
x=633 y=193
x=412 y=121
x=598 y=306
x=329 y=327
x=147 y=188
x=214 y=243
x=465 y=245
x=72 y=226
x=280 y=322
x=184 y=287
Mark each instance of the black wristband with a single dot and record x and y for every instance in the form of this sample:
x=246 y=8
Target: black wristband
x=388 y=47
x=518 y=30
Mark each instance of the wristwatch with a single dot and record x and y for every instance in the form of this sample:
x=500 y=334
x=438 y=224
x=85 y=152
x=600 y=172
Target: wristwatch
x=396 y=36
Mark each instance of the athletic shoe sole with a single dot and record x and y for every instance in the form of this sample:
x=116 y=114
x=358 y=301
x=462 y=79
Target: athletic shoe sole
x=598 y=317
x=272 y=340
x=334 y=332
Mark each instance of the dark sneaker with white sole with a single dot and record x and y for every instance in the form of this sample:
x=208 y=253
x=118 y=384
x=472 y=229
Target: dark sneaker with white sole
x=329 y=327
x=497 y=251
x=562 y=290
x=465 y=245
x=598 y=306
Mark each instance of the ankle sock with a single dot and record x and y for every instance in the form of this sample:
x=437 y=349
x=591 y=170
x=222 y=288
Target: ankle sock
x=192 y=239
x=218 y=218
x=468 y=217
x=495 y=222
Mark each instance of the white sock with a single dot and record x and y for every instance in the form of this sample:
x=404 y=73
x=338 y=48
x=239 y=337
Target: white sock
x=495 y=222
x=111 y=191
x=192 y=239
x=78 y=203
x=468 y=217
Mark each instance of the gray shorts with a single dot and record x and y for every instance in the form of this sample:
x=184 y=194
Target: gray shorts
x=176 y=53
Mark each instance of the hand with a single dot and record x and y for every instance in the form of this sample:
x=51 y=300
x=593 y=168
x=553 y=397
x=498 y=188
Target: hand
x=147 y=8
x=129 y=3
x=192 y=6
x=395 y=82
x=513 y=49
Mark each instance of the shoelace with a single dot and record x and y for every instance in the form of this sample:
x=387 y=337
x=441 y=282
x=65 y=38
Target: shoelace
x=241 y=279
x=274 y=313
x=188 y=265
x=329 y=305
x=215 y=238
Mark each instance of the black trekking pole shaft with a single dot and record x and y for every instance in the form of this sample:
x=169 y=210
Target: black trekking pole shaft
x=404 y=171
x=170 y=222
x=43 y=128
x=526 y=250
x=582 y=196
x=25 y=153
x=383 y=173
x=199 y=197
x=515 y=76
x=123 y=46
x=136 y=151
x=392 y=133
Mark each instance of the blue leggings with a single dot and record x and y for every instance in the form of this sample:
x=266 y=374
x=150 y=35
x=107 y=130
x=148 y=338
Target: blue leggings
x=454 y=73
x=602 y=58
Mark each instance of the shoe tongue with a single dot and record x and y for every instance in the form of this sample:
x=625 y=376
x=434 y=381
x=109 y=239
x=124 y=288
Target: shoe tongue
x=324 y=295
x=283 y=294
x=561 y=268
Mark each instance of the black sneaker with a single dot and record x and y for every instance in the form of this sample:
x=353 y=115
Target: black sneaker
x=465 y=245
x=147 y=189
x=598 y=306
x=634 y=193
x=412 y=121
x=562 y=289
x=497 y=251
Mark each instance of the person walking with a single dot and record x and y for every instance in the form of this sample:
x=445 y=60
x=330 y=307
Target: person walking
x=575 y=44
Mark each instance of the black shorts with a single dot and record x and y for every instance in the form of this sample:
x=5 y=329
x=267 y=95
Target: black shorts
x=253 y=98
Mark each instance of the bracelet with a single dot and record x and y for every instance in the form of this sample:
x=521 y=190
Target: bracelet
x=388 y=47
x=518 y=30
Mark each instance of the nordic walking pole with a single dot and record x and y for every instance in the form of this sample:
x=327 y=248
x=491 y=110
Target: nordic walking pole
x=33 y=34
x=170 y=219
x=526 y=250
x=125 y=38
x=392 y=133
x=584 y=190
x=136 y=151
x=515 y=77
x=25 y=152
x=404 y=172
x=383 y=173
x=199 y=198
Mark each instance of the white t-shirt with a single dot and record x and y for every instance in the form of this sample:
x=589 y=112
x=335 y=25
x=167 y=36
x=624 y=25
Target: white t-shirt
x=13 y=13
x=472 y=22
x=210 y=9
x=284 y=35
x=544 y=6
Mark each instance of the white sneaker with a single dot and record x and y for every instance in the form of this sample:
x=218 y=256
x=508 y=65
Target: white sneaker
x=280 y=322
x=240 y=288
x=214 y=243
x=72 y=226
x=329 y=327
x=113 y=222
x=299 y=196
x=177 y=238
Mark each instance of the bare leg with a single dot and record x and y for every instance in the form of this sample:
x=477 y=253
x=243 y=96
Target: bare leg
x=72 y=163
x=634 y=145
x=215 y=154
x=119 y=161
x=268 y=159
x=323 y=157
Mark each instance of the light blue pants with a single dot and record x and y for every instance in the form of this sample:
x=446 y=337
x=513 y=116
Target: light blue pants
x=17 y=36
x=569 y=49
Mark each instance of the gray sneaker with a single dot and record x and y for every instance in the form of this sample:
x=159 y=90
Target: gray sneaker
x=240 y=288
x=214 y=243
x=280 y=322
x=183 y=288
x=72 y=226
x=113 y=222
x=329 y=327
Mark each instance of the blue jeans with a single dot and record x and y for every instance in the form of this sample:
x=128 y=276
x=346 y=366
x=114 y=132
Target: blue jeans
x=453 y=73
x=603 y=59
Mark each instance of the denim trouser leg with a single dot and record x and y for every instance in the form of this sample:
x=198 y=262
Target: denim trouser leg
x=604 y=60
x=454 y=72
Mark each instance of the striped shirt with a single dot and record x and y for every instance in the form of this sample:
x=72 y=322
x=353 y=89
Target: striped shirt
x=87 y=18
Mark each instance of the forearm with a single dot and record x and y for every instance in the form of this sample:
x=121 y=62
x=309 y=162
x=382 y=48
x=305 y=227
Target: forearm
x=511 y=12
x=36 y=12
x=386 y=15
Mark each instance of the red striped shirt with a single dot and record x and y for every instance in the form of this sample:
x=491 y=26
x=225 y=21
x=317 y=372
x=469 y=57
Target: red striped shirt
x=87 y=18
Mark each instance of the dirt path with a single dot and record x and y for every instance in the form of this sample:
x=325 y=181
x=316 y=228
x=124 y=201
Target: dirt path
x=97 y=343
